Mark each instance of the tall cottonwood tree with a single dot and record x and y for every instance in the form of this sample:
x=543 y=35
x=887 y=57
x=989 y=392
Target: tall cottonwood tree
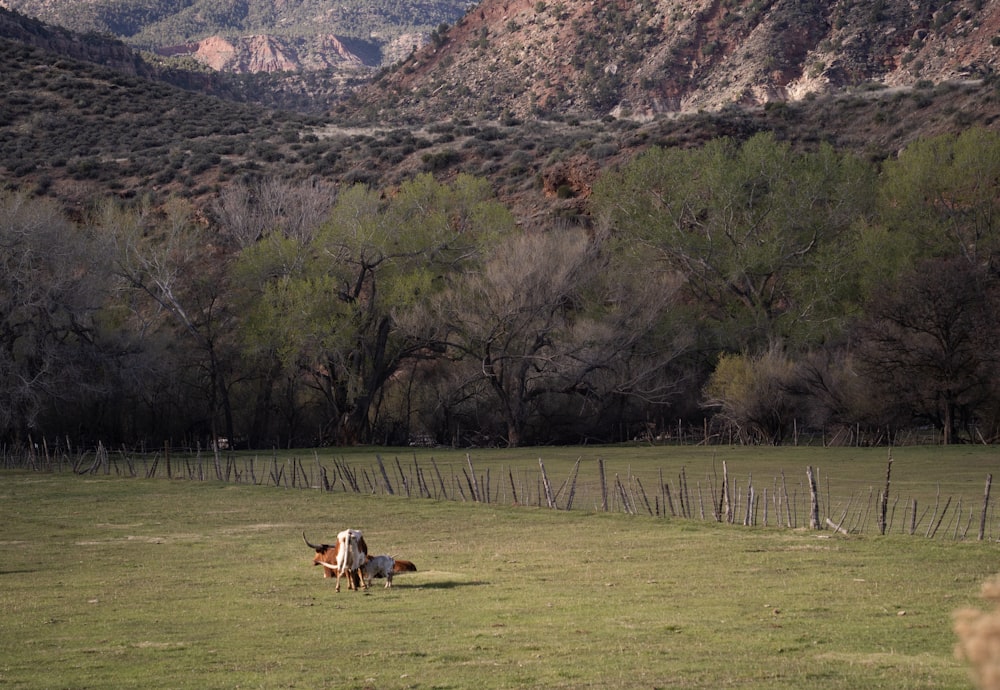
x=753 y=229
x=329 y=304
x=927 y=264
x=939 y=197
x=510 y=321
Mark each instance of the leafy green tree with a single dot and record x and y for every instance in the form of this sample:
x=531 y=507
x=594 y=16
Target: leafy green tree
x=926 y=264
x=330 y=304
x=940 y=198
x=754 y=229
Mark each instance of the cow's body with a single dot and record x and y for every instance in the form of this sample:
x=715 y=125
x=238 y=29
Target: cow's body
x=352 y=552
x=326 y=556
x=378 y=566
x=329 y=556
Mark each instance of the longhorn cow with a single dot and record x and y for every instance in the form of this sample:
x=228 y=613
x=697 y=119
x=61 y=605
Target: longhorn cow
x=327 y=555
x=352 y=552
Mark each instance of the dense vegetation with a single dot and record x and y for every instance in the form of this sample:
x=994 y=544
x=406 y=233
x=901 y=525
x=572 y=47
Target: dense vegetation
x=745 y=288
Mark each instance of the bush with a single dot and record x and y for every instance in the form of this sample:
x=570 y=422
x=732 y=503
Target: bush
x=441 y=160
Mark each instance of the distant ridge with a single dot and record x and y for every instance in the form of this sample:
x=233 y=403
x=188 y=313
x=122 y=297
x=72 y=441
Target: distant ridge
x=639 y=60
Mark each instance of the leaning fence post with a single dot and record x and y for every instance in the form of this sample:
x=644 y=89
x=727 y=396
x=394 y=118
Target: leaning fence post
x=572 y=485
x=549 y=499
x=986 y=504
x=726 y=507
x=385 y=475
x=473 y=482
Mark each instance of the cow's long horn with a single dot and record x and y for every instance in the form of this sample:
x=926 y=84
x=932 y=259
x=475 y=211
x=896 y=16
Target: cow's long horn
x=318 y=547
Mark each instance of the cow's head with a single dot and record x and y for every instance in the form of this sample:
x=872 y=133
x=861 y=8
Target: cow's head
x=326 y=555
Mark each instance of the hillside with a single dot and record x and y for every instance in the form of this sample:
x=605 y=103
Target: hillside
x=86 y=116
x=537 y=58
x=639 y=60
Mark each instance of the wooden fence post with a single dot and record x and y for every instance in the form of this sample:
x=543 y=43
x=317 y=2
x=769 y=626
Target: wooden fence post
x=884 y=503
x=986 y=504
x=549 y=498
x=604 y=484
x=813 y=500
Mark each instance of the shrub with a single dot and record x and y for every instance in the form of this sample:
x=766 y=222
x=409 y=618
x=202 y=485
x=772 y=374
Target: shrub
x=441 y=160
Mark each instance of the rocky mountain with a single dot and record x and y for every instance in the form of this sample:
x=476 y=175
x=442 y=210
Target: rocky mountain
x=256 y=35
x=535 y=58
x=537 y=98
x=643 y=59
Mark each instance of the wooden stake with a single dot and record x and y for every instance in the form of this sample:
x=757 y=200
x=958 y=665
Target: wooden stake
x=986 y=505
x=813 y=499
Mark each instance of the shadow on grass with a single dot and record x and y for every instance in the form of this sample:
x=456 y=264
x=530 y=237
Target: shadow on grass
x=448 y=584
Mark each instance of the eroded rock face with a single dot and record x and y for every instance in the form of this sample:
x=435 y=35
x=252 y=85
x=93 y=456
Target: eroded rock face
x=636 y=60
x=252 y=54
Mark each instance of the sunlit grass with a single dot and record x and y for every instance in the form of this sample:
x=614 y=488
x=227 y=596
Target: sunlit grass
x=154 y=583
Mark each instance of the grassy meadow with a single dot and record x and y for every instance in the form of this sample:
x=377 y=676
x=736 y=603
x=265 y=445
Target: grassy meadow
x=110 y=581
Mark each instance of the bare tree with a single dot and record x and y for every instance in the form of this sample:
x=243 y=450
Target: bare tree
x=930 y=339
x=248 y=212
x=52 y=287
x=545 y=322
x=176 y=265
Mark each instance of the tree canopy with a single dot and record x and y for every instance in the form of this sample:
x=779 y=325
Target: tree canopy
x=745 y=289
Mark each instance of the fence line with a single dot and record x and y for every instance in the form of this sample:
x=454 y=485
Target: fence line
x=744 y=505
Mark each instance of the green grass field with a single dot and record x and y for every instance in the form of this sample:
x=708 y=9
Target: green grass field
x=117 y=582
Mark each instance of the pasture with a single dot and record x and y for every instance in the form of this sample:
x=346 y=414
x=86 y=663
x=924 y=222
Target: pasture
x=110 y=581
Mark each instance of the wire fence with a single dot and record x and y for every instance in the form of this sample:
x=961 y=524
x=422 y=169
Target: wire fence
x=791 y=503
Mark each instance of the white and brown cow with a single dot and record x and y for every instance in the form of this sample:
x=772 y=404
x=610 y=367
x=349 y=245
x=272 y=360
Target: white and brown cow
x=327 y=556
x=352 y=552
